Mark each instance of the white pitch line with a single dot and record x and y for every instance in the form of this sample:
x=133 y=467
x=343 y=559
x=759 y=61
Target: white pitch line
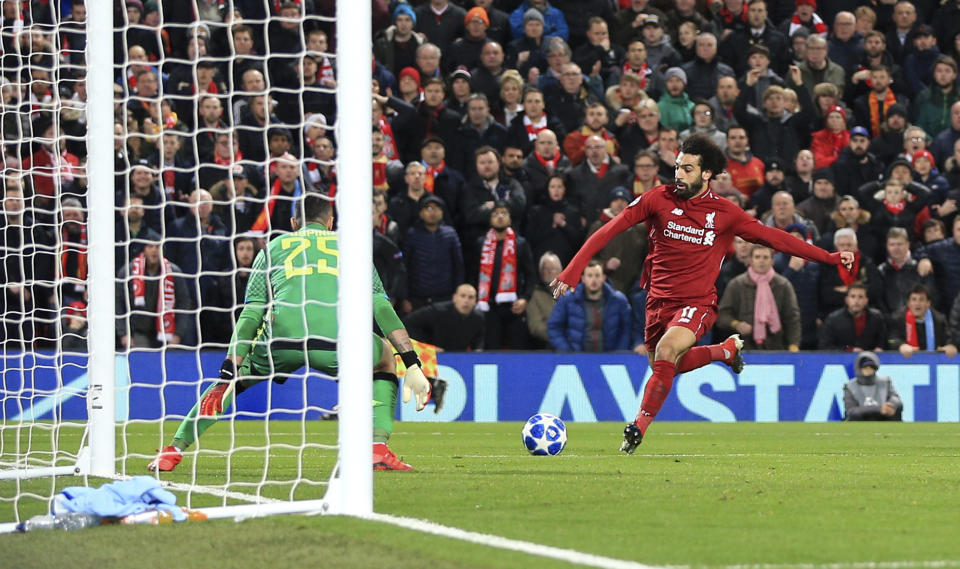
x=945 y=564
x=566 y=555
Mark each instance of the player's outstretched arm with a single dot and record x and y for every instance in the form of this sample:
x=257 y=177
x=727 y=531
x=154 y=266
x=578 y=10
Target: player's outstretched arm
x=756 y=232
x=570 y=276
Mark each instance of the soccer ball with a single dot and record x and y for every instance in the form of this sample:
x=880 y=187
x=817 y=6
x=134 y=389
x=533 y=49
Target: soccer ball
x=544 y=434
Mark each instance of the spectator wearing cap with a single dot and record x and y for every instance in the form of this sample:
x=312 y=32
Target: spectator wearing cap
x=460 y=91
x=774 y=131
x=898 y=273
x=465 y=51
x=870 y=108
x=829 y=142
x=598 y=50
x=525 y=51
x=595 y=318
x=628 y=23
x=396 y=46
x=735 y=48
x=931 y=106
x=918 y=63
x=804 y=16
x=818 y=207
x=553 y=21
x=499 y=29
x=774 y=180
x=409 y=85
x=433 y=256
x=660 y=52
x=761 y=306
x=942 y=259
x=889 y=143
x=623 y=256
x=942 y=145
x=703 y=123
x=746 y=170
x=676 y=107
x=845 y=44
x=477 y=129
x=555 y=225
x=542 y=164
x=706 y=68
x=441 y=179
x=925 y=172
x=441 y=21
x=758 y=59
x=869 y=397
x=856 y=165
x=918 y=327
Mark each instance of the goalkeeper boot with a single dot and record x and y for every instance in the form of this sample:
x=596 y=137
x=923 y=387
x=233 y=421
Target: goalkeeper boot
x=632 y=437
x=733 y=349
x=167 y=460
x=384 y=459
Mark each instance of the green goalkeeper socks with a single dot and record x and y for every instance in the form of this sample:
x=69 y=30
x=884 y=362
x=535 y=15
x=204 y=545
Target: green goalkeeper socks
x=385 y=387
x=191 y=427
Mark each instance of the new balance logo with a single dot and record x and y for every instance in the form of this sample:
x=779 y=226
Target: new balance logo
x=677 y=211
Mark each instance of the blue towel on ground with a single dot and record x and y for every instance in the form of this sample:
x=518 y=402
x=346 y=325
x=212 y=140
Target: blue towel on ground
x=119 y=499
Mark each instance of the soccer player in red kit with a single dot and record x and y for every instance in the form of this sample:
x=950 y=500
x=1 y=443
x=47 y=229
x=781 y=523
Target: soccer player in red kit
x=691 y=229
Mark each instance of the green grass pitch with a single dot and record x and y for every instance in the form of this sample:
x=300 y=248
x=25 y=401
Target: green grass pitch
x=695 y=494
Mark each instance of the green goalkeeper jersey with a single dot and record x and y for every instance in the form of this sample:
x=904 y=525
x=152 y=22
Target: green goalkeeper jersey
x=292 y=292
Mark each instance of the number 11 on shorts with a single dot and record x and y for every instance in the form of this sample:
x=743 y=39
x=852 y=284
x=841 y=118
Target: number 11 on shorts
x=686 y=314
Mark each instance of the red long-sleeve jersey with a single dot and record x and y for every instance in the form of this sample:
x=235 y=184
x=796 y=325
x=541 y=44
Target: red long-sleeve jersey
x=689 y=239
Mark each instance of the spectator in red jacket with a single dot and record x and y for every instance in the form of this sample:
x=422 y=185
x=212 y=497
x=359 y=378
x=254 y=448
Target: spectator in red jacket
x=830 y=141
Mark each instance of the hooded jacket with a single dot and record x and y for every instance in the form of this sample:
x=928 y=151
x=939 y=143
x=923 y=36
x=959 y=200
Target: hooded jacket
x=863 y=397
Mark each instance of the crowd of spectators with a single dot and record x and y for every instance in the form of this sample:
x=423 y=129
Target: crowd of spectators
x=505 y=132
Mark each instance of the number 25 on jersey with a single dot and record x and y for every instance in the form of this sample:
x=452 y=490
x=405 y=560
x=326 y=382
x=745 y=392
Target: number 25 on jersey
x=328 y=262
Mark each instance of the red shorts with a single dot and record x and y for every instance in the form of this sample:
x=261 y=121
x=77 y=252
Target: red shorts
x=662 y=314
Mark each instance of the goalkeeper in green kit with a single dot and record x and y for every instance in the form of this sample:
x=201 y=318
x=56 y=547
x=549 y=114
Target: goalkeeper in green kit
x=289 y=320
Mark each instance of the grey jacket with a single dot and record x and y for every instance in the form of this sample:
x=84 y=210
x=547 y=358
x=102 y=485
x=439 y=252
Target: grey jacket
x=864 y=396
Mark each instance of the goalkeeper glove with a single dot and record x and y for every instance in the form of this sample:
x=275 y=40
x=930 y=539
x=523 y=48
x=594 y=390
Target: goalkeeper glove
x=212 y=403
x=228 y=370
x=414 y=382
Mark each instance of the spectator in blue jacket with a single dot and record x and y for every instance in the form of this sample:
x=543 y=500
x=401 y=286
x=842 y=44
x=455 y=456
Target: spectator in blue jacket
x=942 y=258
x=554 y=22
x=595 y=318
x=433 y=255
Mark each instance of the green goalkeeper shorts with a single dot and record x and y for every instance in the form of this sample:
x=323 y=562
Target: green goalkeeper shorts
x=286 y=357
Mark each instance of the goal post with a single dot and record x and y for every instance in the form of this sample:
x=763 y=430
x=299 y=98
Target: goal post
x=100 y=415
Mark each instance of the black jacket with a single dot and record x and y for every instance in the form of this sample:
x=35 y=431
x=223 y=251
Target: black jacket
x=441 y=325
x=838 y=331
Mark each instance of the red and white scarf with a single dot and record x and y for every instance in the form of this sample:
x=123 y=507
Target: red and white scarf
x=548 y=165
x=643 y=71
x=432 y=174
x=166 y=319
x=534 y=128
x=507 y=284
x=818 y=26
x=326 y=70
x=262 y=224
x=389 y=144
x=895 y=208
x=67 y=248
x=765 y=314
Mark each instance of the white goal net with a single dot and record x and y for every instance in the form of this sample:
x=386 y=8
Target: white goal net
x=134 y=207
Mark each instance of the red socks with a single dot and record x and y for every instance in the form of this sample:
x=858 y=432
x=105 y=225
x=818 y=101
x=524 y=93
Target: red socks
x=656 y=391
x=699 y=356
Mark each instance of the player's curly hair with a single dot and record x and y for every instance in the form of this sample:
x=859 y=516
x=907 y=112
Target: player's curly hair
x=711 y=157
